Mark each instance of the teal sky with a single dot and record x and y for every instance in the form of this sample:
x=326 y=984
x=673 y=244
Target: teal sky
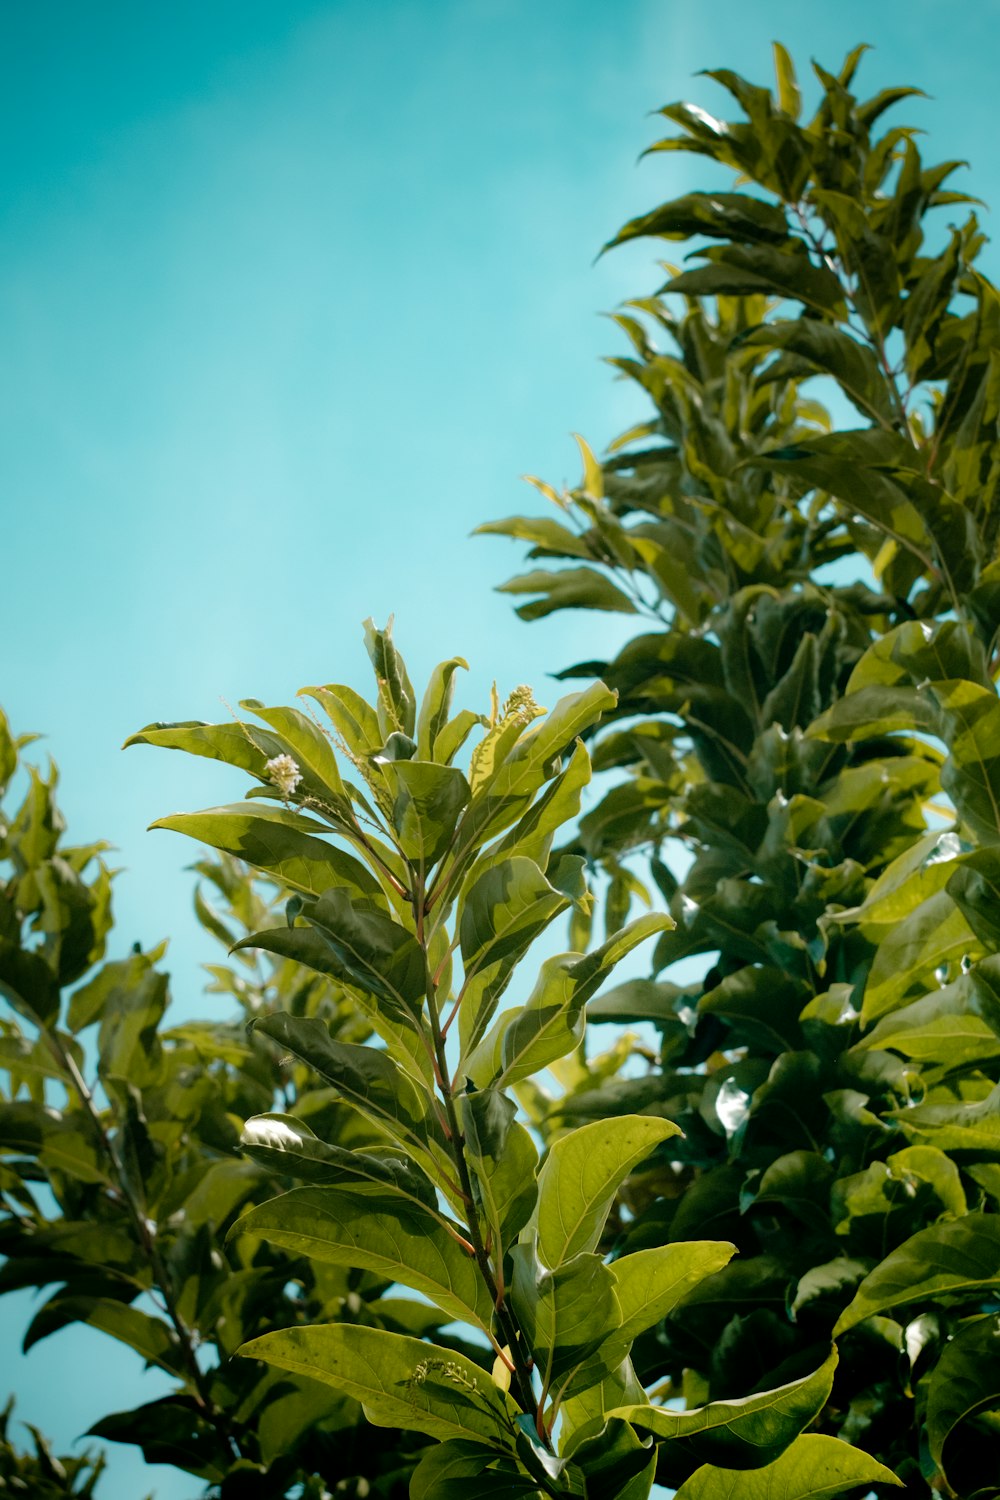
x=291 y=294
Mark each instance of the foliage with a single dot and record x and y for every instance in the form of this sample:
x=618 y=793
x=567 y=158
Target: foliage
x=41 y=1475
x=420 y=889
x=121 y=1170
x=808 y=730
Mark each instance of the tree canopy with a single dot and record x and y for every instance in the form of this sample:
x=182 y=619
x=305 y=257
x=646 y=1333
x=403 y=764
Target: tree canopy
x=756 y=1258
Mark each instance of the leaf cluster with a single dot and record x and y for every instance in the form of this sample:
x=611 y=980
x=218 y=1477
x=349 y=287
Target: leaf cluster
x=803 y=766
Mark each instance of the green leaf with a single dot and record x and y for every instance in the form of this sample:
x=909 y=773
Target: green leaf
x=567 y=1315
x=570 y=588
x=831 y=351
x=935 y=934
x=464 y=1470
x=722 y=215
x=369 y=1226
x=365 y=947
x=283 y=843
x=973 y=1126
x=551 y=1022
x=149 y=1336
x=812 y=1467
x=245 y=746
x=650 y=1283
x=354 y=719
x=287 y=1145
x=949 y=1260
x=776 y=271
x=745 y=1434
x=396 y=703
x=873 y=711
x=311 y=749
x=505 y=1163
x=789 y=97
x=971 y=775
x=501 y=915
x=580 y=1177
x=435 y=706
x=400 y=1382
x=965 y=1380
x=364 y=1077
x=427 y=802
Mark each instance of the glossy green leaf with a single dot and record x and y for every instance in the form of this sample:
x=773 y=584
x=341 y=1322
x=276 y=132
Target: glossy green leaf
x=427 y=802
x=396 y=701
x=370 y=1226
x=813 y=1466
x=285 y=844
x=505 y=910
x=149 y=1336
x=948 y=1259
x=580 y=1177
x=551 y=1021
x=464 y=1470
x=650 y=1283
x=745 y=1434
x=935 y=934
x=965 y=1380
x=287 y=1145
x=435 y=706
x=401 y=1382
x=504 y=1160
x=570 y=1317
x=366 y=1078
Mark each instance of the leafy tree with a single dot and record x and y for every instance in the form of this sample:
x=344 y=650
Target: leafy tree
x=419 y=890
x=805 y=765
x=824 y=750
x=121 y=1172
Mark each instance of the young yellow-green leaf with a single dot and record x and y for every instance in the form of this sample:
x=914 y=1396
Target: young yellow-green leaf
x=369 y=1226
x=570 y=1318
x=354 y=719
x=965 y=1380
x=396 y=701
x=789 y=97
x=400 y=1382
x=649 y=1283
x=294 y=848
x=593 y=478
x=813 y=1467
x=435 y=706
x=580 y=1177
x=744 y=1434
x=949 y=1259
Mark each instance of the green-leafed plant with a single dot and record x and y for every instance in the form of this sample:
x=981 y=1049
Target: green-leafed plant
x=40 y=1475
x=419 y=890
x=120 y=1173
x=811 y=715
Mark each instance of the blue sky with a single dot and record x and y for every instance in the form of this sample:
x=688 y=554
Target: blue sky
x=291 y=295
